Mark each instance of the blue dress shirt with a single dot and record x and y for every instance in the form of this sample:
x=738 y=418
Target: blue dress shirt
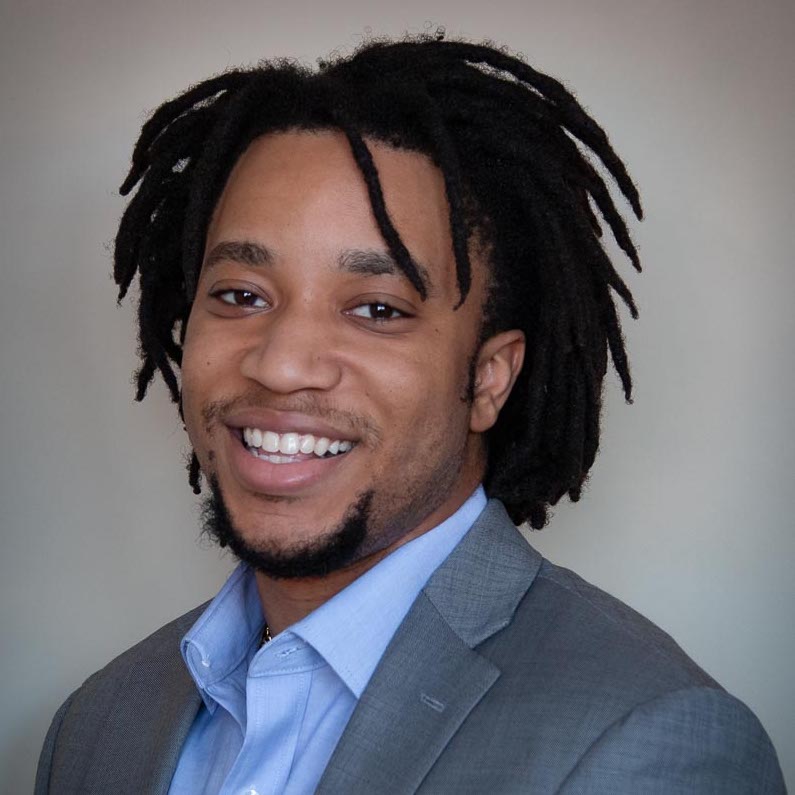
x=272 y=716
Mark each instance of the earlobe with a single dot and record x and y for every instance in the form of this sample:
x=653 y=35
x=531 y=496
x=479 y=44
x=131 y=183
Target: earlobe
x=499 y=363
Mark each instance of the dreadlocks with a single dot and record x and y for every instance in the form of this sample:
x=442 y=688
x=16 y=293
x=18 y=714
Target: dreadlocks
x=509 y=142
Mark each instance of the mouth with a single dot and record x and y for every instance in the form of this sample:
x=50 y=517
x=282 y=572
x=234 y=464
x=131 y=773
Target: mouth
x=288 y=454
x=291 y=447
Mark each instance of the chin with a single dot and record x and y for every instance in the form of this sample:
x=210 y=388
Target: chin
x=322 y=553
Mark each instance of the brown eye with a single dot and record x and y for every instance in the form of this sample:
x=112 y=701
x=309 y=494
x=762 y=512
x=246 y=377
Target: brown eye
x=377 y=311
x=243 y=298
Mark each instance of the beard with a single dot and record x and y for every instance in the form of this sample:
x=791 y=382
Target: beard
x=357 y=533
x=333 y=550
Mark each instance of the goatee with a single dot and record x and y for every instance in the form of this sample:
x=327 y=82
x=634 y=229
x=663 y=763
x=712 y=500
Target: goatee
x=334 y=550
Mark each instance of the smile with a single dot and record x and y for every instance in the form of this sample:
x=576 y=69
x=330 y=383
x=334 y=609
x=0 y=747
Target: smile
x=292 y=448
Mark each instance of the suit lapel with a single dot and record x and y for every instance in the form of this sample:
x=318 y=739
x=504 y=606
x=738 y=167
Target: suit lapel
x=430 y=677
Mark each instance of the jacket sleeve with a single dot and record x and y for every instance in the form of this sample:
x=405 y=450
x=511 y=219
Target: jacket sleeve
x=697 y=740
x=48 y=749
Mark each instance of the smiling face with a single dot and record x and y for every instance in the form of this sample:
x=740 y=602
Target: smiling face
x=326 y=401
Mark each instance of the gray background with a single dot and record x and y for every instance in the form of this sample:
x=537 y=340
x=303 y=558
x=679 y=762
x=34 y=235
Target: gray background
x=688 y=516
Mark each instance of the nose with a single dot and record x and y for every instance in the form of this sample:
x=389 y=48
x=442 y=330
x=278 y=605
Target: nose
x=293 y=352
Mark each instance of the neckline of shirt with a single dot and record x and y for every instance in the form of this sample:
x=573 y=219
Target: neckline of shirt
x=350 y=632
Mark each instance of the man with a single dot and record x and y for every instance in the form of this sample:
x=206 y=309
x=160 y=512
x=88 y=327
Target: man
x=383 y=288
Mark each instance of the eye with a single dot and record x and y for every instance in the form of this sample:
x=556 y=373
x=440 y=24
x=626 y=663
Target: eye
x=377 y=311
x=241 y=298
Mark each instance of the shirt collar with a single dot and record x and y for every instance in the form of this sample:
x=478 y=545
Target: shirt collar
x=353 y=629
x=221 y=640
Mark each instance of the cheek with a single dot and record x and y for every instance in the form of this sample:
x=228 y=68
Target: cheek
x=195 y=364
x=205 y=368
x=209 y=354
x=419 y=397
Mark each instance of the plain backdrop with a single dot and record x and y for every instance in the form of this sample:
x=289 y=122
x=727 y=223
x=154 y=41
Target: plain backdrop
x=688 y=516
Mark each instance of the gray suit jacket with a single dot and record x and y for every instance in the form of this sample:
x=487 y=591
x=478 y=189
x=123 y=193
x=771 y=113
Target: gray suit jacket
x=508 y=675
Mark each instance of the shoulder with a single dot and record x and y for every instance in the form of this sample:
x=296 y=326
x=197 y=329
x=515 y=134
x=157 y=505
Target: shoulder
x=126 y=695
x=698 y=739
x=664 y=724
x=553 y=636
x=593 y=695
x=604 y=635
x=573 y=649
x=155 y=655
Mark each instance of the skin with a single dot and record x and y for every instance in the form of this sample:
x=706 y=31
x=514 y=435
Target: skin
x=301 y=339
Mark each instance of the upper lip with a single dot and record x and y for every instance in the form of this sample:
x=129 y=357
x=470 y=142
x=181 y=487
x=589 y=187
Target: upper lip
x=286 y=422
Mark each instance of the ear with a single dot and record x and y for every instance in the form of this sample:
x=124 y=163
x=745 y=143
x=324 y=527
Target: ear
x=499 y=363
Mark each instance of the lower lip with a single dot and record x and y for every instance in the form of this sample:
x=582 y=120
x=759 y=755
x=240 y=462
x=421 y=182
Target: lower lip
x=258 y=475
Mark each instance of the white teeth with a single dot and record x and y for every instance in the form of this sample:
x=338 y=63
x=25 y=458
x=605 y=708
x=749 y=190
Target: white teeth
x=260 y=443
x=322 y=446
x=288 y=444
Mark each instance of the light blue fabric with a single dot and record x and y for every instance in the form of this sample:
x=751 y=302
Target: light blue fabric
x=272 y=716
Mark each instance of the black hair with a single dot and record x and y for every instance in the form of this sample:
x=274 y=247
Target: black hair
x=511 y=144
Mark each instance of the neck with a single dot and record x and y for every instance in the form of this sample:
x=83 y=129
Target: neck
x=285 y=601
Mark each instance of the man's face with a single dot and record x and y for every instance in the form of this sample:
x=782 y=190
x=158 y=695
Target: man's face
x=305 y=336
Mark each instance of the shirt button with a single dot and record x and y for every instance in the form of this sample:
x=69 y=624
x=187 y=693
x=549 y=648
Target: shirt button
x=251 y=792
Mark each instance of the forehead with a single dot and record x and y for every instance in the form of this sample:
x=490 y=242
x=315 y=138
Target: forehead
x=301 y=192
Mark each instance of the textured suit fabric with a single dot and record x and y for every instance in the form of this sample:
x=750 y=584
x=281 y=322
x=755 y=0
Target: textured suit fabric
x=508 y=675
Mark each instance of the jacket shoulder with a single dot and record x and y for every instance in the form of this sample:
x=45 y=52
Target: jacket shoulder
x=132 y=690
x=691 y=740
x=158 y=649
x=584 y=618
x=152 y=658
x=586 y=686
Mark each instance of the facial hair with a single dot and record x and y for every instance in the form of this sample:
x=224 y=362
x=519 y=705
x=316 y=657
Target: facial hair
x=334 y=550
x=353 y=536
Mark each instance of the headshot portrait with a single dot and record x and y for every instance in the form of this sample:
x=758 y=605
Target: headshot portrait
x=417 y=392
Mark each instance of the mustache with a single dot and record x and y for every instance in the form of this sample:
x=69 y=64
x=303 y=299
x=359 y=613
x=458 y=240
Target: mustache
x=308 y=404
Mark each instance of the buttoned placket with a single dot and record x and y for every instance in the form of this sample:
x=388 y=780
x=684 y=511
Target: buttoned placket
x=277 y=689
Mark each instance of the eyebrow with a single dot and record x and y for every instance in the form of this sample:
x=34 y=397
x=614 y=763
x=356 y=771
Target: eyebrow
x=245 y=252
x=364 y=262
x=370 y=262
